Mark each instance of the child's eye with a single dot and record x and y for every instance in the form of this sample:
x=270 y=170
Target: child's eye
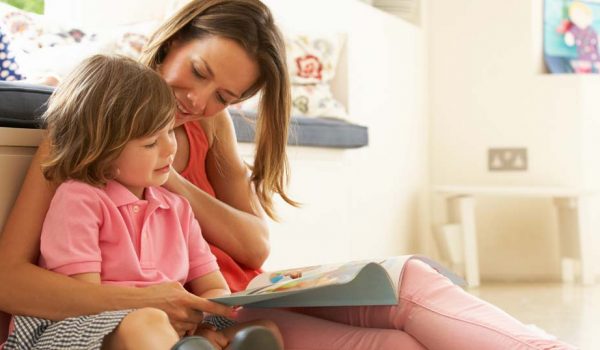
x=151 y=144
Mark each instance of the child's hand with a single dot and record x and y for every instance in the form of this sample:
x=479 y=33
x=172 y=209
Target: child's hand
x=218 y=339
x=184 y=308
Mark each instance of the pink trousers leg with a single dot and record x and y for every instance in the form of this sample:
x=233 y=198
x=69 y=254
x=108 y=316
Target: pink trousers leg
x=440 y=316
x=303 y=332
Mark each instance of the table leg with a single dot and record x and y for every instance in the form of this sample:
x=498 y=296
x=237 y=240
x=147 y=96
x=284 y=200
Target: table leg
x=586 y=219
x=461 y=210
x=576 y=223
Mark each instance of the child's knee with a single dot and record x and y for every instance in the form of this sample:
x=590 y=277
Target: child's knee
x=137 y=325
x=144 y=319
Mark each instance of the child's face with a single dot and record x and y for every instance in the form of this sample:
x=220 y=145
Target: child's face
x=146 y=161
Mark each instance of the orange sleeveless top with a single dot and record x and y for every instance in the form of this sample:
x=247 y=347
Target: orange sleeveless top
x=237 y=275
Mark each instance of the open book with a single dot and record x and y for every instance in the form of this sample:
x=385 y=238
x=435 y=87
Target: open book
x=366 y=282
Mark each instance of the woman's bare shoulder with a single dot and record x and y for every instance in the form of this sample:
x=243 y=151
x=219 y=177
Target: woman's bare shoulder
x=218 y=127
x=224 y=163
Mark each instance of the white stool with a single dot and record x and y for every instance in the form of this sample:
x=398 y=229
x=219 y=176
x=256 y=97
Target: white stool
x=577 y=224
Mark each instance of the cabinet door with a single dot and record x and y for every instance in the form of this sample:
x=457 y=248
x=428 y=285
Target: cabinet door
x=17 y=147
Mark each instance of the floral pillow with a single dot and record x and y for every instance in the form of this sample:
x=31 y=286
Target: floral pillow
x=130 y=44
x=33 y=38
x=48 y=48
x=15 y=24
x=308 y=100
x=18 y=24
x=316 y=100
x=9 y=70
x=312 y=62
x=313 y=59
x=129 y=40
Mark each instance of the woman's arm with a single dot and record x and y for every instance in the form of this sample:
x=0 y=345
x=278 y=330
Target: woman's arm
x=4 y=323
x=235 y=221
x=91 y=277
x=26 y=289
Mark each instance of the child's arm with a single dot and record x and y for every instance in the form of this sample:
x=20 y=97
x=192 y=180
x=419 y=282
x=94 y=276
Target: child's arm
x=70 y=243
x=209 y=286
x=204 y=278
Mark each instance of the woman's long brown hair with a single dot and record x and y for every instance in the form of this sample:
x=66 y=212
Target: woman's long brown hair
x=251 y=25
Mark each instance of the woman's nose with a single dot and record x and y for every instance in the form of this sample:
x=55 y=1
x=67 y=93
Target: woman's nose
x=198 y=99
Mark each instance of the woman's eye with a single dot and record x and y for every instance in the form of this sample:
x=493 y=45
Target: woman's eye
x=221 y=99
x=197 y=73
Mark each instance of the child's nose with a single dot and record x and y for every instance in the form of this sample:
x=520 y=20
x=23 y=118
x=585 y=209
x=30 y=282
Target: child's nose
x=170 y=147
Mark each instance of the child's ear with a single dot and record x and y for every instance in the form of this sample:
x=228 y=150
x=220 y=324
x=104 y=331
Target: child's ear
x=113 y=173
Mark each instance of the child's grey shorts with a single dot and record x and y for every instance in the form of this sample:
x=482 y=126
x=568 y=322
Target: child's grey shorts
x=77 y=333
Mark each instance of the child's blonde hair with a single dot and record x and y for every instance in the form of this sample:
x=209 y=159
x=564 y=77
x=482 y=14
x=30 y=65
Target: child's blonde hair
x=103 y=104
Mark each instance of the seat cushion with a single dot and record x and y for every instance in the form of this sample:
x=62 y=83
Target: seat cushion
x=305 y=131
x=21 y=106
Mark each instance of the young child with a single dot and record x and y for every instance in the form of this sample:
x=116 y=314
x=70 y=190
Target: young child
x=110 y=124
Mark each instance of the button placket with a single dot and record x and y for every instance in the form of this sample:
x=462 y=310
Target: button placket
x=146 y=243
x=144 y=257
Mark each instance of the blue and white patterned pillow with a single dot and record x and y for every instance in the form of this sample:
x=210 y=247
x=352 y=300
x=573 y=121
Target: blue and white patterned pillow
x=9 y=69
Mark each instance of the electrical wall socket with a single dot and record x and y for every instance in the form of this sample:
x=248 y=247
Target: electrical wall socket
x=507 y=159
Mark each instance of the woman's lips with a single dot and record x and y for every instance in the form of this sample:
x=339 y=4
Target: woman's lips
x=184 y=115
x=182 y=109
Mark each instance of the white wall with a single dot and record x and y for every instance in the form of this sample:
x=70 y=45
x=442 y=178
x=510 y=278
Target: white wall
x=487 y=90
x=99 y=15
x=360 y=202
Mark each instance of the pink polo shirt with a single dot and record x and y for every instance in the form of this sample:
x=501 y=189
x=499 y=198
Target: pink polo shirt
x=127 y=240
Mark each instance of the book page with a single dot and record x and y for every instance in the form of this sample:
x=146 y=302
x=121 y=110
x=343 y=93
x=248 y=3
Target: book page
x=320 y=275
x=366 y=282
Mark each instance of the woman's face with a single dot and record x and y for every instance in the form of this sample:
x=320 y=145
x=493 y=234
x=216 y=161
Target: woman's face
x=207 y=75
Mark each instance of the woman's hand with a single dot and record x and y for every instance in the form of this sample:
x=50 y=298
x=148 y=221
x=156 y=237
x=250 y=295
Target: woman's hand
x=174 y=181
x=185 y=309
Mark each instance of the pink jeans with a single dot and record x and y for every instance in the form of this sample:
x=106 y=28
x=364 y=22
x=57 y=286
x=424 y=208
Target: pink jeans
x=432 y=313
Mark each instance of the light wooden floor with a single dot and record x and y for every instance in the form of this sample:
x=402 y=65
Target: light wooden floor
x=569 y=311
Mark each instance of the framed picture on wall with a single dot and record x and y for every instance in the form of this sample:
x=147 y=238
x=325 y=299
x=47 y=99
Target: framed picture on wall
x=571 y=29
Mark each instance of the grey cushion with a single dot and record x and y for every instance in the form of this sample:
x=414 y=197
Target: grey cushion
x=21 y=105
x=305 y=131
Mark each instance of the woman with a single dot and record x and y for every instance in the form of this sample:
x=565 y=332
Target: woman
x=213 y=53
